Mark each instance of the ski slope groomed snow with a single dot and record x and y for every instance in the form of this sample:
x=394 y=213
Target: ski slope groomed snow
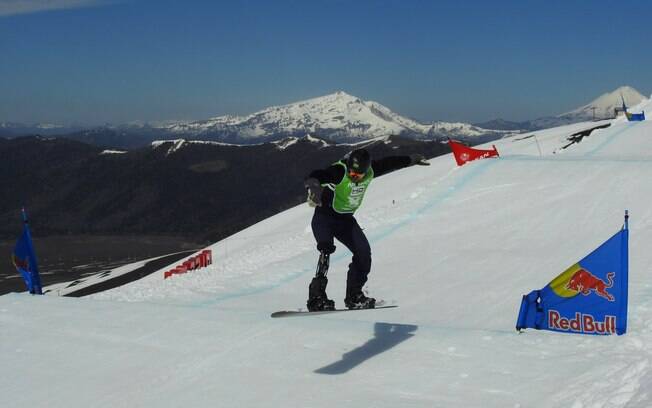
x=454 y=247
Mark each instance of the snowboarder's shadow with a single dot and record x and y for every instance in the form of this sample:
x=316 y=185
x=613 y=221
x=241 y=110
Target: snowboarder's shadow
x=386 y=336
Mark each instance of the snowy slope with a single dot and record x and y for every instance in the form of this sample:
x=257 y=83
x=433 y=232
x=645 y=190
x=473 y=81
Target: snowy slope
x=454 y=247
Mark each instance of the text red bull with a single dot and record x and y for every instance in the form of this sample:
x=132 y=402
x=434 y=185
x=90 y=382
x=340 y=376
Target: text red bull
x=581 y=323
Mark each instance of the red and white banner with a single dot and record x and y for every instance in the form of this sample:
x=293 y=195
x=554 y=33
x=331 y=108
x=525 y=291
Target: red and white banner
x=465 y=154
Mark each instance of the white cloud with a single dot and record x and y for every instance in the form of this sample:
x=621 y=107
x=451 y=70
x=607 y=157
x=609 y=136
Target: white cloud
x=11 y=7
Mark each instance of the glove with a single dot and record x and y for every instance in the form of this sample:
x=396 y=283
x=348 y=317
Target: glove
x=418 y=159
x=314 y=192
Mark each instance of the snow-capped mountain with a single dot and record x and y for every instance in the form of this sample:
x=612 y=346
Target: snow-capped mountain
x=338 y=117
x=602 y=107
x=606 y=104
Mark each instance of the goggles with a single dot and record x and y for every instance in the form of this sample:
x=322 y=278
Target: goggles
x=355 y=175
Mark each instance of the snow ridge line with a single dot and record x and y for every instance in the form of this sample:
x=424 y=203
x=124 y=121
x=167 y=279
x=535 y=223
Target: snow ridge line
x=474 y=170
x=611 y=138
x=478 y=169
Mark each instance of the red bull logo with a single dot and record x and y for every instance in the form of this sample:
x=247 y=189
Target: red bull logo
x=465 y=157
x=21 y=263
x=581 y=323
x=585 y=282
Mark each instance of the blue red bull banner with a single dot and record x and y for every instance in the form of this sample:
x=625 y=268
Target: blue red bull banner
x=632 y=117
x=24 y=260
x=635 y=117
x=590 y=297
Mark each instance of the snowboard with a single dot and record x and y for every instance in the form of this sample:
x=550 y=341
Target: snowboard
x=302 y=312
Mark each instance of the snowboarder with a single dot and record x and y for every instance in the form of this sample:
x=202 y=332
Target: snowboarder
x=336 y=193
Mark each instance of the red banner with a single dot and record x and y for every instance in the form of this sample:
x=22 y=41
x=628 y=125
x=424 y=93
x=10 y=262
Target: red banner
x=465 y=154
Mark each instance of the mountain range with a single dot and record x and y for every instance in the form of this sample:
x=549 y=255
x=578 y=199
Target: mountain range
x=338 y=118
x=603 y=107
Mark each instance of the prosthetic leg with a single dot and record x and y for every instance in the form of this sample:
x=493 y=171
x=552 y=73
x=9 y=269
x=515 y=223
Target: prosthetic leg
x=317 y=299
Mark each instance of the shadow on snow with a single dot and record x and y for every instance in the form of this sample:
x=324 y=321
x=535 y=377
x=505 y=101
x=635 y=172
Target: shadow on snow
x=386 y=336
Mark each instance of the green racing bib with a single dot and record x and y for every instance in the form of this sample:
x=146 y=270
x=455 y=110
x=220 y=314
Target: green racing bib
x=347 y=194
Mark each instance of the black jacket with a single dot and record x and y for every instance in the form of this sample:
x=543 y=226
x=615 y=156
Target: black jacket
x=334 y=173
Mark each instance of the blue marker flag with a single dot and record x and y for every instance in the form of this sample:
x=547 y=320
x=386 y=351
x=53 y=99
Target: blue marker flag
x=635 y=117
x=24 y=260
x=590 y=297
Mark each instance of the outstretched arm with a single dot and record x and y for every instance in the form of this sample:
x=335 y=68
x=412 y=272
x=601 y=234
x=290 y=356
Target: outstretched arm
x=391 y=163
x=332 y=174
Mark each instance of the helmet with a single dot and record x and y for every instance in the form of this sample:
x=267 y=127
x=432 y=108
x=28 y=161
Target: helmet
x=358 y=161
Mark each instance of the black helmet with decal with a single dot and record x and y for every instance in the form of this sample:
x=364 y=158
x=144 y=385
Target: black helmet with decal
x=358 y=161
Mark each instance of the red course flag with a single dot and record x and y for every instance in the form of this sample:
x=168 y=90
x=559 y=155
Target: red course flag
x=465 y=154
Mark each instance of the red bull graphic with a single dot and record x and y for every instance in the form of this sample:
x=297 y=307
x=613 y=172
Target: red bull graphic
x=590 y=297
x=585 y=282
x=20 y=263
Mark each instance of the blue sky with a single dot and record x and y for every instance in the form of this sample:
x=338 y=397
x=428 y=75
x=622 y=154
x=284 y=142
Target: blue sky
x=99 y=61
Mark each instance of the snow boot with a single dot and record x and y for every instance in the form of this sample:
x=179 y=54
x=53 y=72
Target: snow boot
x=358 y=300
x=317 y=298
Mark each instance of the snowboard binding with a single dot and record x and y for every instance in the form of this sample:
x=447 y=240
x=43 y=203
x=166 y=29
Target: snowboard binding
x=359 y=300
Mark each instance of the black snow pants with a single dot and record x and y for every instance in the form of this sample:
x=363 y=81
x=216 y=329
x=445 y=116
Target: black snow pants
x=327 y=225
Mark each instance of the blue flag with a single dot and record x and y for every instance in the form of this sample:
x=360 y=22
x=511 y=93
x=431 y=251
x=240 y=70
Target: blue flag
x=635 y=117
x=24 y=260
x=590 y=297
